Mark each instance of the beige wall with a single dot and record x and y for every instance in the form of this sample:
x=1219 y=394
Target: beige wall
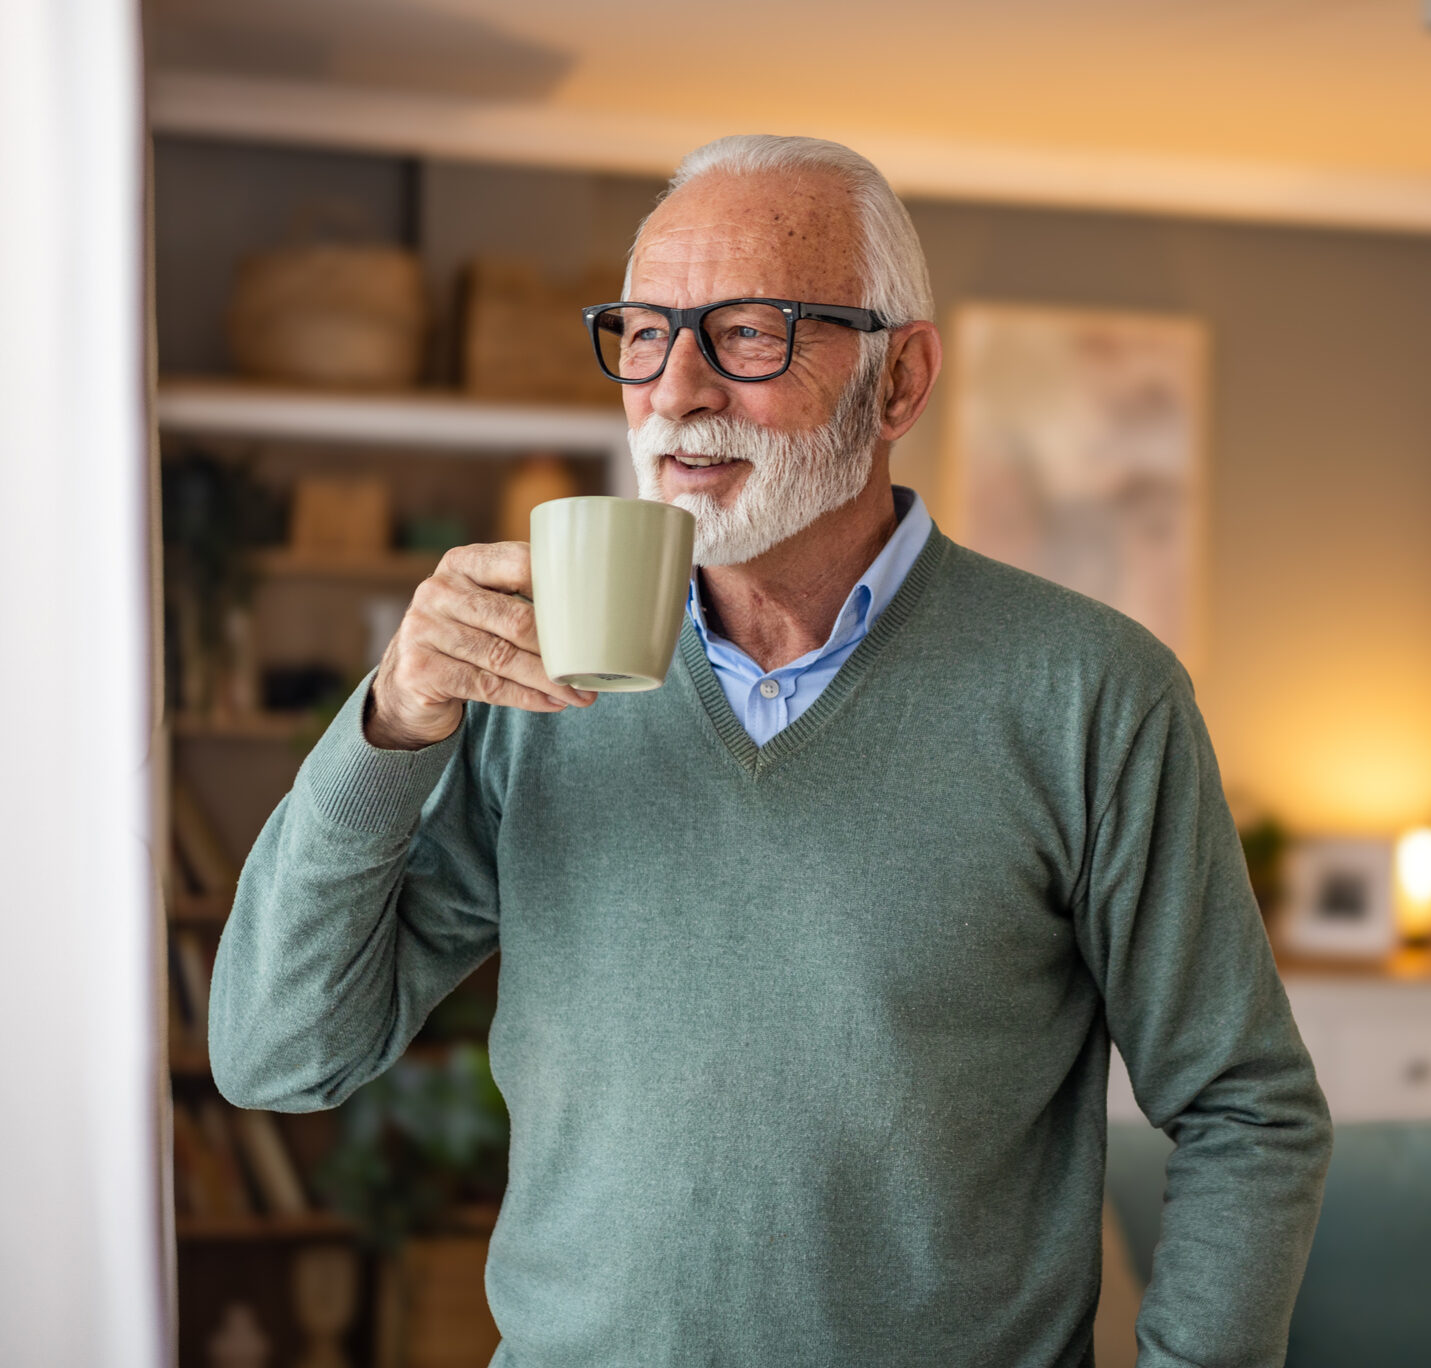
x=1316 y=676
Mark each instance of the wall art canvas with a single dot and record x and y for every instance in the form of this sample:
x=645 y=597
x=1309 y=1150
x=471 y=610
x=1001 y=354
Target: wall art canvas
x=1339 y=898
x=1077 y=454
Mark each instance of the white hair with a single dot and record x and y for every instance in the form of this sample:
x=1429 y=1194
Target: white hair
x=896 y=275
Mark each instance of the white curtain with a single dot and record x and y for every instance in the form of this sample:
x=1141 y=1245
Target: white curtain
x=82 y=1238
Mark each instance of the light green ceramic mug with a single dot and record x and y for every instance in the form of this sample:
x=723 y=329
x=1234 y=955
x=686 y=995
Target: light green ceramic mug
x=609 y=581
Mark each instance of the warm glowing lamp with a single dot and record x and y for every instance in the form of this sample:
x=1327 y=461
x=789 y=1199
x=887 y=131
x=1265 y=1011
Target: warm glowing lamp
x=1413 y=885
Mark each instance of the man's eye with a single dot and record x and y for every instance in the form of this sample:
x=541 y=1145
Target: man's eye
x=648 y=335
x=743 y=333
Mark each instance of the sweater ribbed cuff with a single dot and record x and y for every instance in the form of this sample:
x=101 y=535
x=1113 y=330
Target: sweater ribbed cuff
x=356 y=785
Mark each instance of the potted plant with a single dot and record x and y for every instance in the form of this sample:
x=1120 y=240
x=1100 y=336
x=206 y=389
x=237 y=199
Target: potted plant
x=419 y=1167
x=214 y=513
x=1264 y=847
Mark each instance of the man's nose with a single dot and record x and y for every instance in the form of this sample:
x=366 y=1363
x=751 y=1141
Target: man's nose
x=687 y=386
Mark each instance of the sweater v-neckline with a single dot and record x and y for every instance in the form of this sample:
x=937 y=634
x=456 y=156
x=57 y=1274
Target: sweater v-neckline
x=757 y=760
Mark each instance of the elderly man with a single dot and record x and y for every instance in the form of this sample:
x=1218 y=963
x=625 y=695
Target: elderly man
x=810 y=959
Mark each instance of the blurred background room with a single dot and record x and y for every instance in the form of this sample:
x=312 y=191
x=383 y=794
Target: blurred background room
x=1181 y=251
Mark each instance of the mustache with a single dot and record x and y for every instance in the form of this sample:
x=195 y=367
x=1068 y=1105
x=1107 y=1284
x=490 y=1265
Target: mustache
x=724 y=435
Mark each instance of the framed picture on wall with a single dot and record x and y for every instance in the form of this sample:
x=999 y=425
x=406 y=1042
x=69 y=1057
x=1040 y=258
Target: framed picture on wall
x=1338 y=898
x=1076 y=452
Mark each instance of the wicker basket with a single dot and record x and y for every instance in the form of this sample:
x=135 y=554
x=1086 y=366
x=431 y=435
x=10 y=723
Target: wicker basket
x=523 y=335
x=330 y=315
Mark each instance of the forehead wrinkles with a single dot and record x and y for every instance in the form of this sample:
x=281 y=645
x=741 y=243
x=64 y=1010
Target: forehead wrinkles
x=798 y=228
x=703 y=243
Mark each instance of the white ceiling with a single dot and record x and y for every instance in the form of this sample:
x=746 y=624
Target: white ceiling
x=1287 y=108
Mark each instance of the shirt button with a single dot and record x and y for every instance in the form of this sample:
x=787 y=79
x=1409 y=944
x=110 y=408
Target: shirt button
x=769 y=689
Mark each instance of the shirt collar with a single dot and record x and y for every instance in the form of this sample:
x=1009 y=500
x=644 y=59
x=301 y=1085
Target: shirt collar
x=871 y=594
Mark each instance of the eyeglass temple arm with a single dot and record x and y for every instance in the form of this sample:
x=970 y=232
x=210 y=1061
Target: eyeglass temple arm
x=862 y=320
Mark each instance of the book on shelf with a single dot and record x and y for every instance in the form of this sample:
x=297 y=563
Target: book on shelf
x=183 y=1024
x=274 y=1172
x=191 y=968
x=203 y=858
x=192 y=1195
x=229 y=1162
x=194 y=969
x=207 y=1180
x=218 y=1137
x=181 y=1029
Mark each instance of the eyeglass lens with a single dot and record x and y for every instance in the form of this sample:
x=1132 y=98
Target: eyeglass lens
x=748 y=340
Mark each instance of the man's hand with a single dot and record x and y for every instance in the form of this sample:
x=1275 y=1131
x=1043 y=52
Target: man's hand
x=464 y=635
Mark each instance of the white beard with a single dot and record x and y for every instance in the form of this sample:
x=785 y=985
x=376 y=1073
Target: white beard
x=795 y=477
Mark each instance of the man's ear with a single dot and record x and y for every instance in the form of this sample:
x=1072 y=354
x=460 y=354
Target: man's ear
x=912 y=366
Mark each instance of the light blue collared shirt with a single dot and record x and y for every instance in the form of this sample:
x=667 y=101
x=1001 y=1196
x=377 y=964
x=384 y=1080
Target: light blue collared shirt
x=767 y=702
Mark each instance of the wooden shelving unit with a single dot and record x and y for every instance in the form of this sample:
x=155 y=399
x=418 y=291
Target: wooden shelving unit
x=207 y=909
x=434 y=420
x=397 y=568
x=250 y=1228
x=234 y=765
x=447 y=460
x=188 y=1061
x=256 y=726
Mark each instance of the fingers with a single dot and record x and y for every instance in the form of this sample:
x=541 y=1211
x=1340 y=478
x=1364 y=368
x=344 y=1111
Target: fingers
x=489 y=652
x=498 y=614
x=504 y=566
x=468 y=614
x=482 y=582
x=462 y=679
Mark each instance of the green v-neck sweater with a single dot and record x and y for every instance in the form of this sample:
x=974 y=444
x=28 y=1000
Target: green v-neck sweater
x=806 y=1046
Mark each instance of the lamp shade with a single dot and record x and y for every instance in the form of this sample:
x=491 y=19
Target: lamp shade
x=1413 y=884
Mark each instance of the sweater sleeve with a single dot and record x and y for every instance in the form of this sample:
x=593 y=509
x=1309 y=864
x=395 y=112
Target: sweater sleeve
x=369 y=895
x=1171 y=930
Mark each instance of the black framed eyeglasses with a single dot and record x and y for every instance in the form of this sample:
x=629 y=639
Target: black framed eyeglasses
x=743 y=339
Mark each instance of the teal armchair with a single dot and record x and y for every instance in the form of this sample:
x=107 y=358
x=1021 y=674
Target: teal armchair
x=1366 y=1298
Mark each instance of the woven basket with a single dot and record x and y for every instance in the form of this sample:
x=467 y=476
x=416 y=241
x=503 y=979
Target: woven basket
x=330 y=315
x=523 y=334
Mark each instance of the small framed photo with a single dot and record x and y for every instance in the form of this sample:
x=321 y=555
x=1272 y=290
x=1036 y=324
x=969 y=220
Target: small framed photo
x=1339 y=898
